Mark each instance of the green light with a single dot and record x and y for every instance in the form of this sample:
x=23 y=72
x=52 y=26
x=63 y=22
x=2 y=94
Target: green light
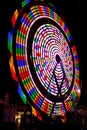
x=10 y=42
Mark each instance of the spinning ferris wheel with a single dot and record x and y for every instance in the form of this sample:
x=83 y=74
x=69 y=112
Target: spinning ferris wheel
x=44 y=59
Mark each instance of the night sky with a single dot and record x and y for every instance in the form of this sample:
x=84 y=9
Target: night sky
x=75 y=14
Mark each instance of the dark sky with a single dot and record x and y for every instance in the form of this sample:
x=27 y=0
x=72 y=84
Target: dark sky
x=75 y=14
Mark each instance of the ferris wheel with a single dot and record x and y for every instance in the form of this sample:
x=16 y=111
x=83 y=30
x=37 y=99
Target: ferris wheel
x=44 y=59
